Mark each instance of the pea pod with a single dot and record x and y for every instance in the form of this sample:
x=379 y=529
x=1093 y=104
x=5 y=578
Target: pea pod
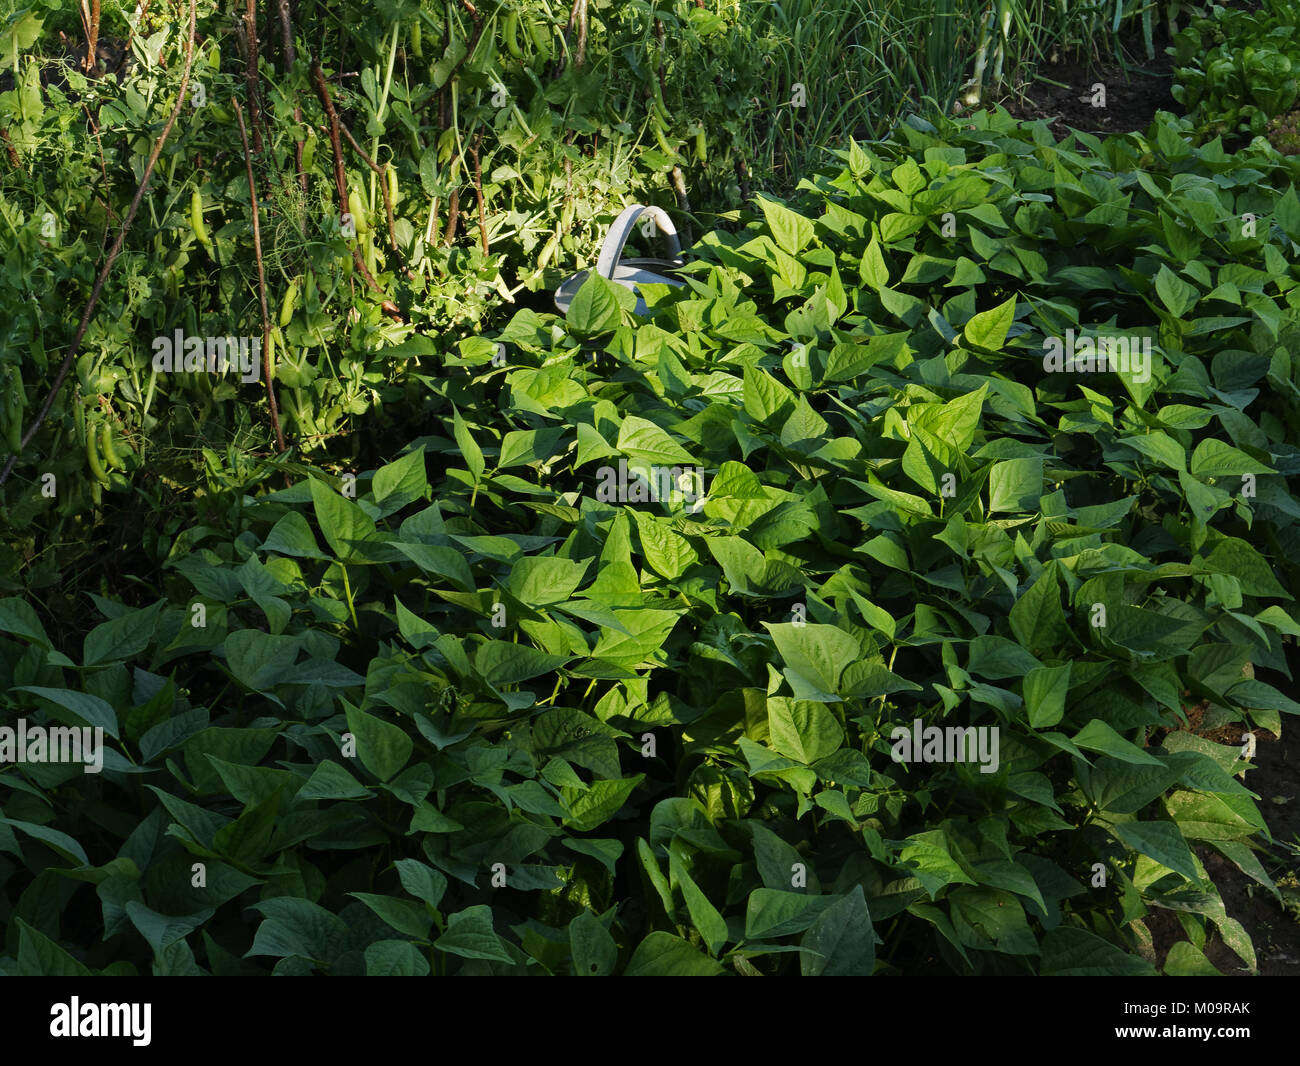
x=548 y=250
x=511 y=34
x=390 y=172
x=701 y=147
x=93 y=460
x=290 y=302
x=196 y=221
x=664 y=146
x=541 y=35
x=416 y=49
x=657 y=93
x=16 y=395
x=358 y=212
x=111 y=458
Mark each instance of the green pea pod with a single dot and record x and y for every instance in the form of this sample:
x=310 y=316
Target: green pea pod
x=541 y=35
x=548 y=250
x=658 y=106
x=93 y=460
x=196 y=221
x=416 y=49
x=511 y=34
x=111 y=458
x=390 y=172
x=16 y=396
x=358 y=212
x=664 y=146
x=290 y=302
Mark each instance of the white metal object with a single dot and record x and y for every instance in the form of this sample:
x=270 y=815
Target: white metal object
x=628 y=272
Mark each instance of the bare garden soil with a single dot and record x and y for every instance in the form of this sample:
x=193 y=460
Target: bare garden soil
x=1062 y=92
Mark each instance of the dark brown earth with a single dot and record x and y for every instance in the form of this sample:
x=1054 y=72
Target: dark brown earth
x=1134 y=92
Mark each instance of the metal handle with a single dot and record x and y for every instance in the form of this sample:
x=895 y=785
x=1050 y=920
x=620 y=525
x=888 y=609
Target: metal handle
x=612 y=250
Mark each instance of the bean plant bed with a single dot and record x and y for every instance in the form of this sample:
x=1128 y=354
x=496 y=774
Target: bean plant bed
x=635 y=640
